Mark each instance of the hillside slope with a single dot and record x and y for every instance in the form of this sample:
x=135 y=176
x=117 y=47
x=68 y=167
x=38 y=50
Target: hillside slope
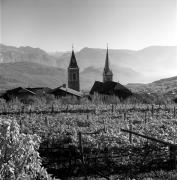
x=163 y=86
x=30 y=75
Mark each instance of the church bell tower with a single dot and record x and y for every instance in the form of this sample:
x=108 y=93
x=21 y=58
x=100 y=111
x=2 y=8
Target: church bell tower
x=73 y=73
x=107 y=73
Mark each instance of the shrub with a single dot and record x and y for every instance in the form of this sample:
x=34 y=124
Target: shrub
x=19 y=158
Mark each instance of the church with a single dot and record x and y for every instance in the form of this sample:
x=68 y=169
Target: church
x=73 y=88
x=107 y=87
x=73 y=73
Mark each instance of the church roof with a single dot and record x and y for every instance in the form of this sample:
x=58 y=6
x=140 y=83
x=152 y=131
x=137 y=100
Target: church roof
x=110 y=88
x=73 y=62
x=97 y=87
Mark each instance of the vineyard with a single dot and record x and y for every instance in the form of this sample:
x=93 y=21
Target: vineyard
x=97 y=140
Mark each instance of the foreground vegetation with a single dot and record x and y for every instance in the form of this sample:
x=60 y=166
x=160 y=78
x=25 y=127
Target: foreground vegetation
x=57 y=123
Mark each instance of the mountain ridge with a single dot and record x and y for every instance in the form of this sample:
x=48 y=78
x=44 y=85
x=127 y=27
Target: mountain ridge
x=128 y=66
x=151 y=63
x=28 y=54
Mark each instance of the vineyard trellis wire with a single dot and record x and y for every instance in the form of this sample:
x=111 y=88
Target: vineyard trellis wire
x=67 y=109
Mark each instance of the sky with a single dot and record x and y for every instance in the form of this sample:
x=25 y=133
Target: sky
x=54 y=25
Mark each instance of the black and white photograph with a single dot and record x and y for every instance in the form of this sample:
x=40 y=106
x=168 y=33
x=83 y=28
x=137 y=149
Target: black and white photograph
x=88 y=89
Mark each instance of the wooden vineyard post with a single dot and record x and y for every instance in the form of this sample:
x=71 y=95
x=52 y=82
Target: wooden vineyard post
x=145 y=117
x=23 y=110
x=124 y=116
x=106 y=157
x=46 y=122
x=104 y=125
x=67 y=109
x=112 y=108
x=80 y=143
x=30 y=111
x=70 y=158
x=52 y=110
x=172 y=150
x=152 y=110
x=21 y=126
x=130 y=134
x=82 y=156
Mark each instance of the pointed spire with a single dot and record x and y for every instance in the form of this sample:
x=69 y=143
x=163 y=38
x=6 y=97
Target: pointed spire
x=73 y=62
x=107 y=73
x=106 y=68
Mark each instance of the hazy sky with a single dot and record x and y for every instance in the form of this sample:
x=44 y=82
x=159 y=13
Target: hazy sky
x=54 y=25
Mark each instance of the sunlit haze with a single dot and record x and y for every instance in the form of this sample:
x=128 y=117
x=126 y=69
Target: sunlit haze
x=54 y=25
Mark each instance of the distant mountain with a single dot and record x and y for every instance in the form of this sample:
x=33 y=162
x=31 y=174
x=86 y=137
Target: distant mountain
x=128 y=66
x=36 y=75
x=25 y=54
x=146 y=65
x=27 y=74
x=56 y=54
x=92 y=57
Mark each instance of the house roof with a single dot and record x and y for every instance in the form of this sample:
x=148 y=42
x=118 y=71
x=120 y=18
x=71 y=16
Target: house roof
x=19 y=90
x=23 y=90
x=16 y=92
x=72 y=91
x=67 y=90
x=39 y=90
